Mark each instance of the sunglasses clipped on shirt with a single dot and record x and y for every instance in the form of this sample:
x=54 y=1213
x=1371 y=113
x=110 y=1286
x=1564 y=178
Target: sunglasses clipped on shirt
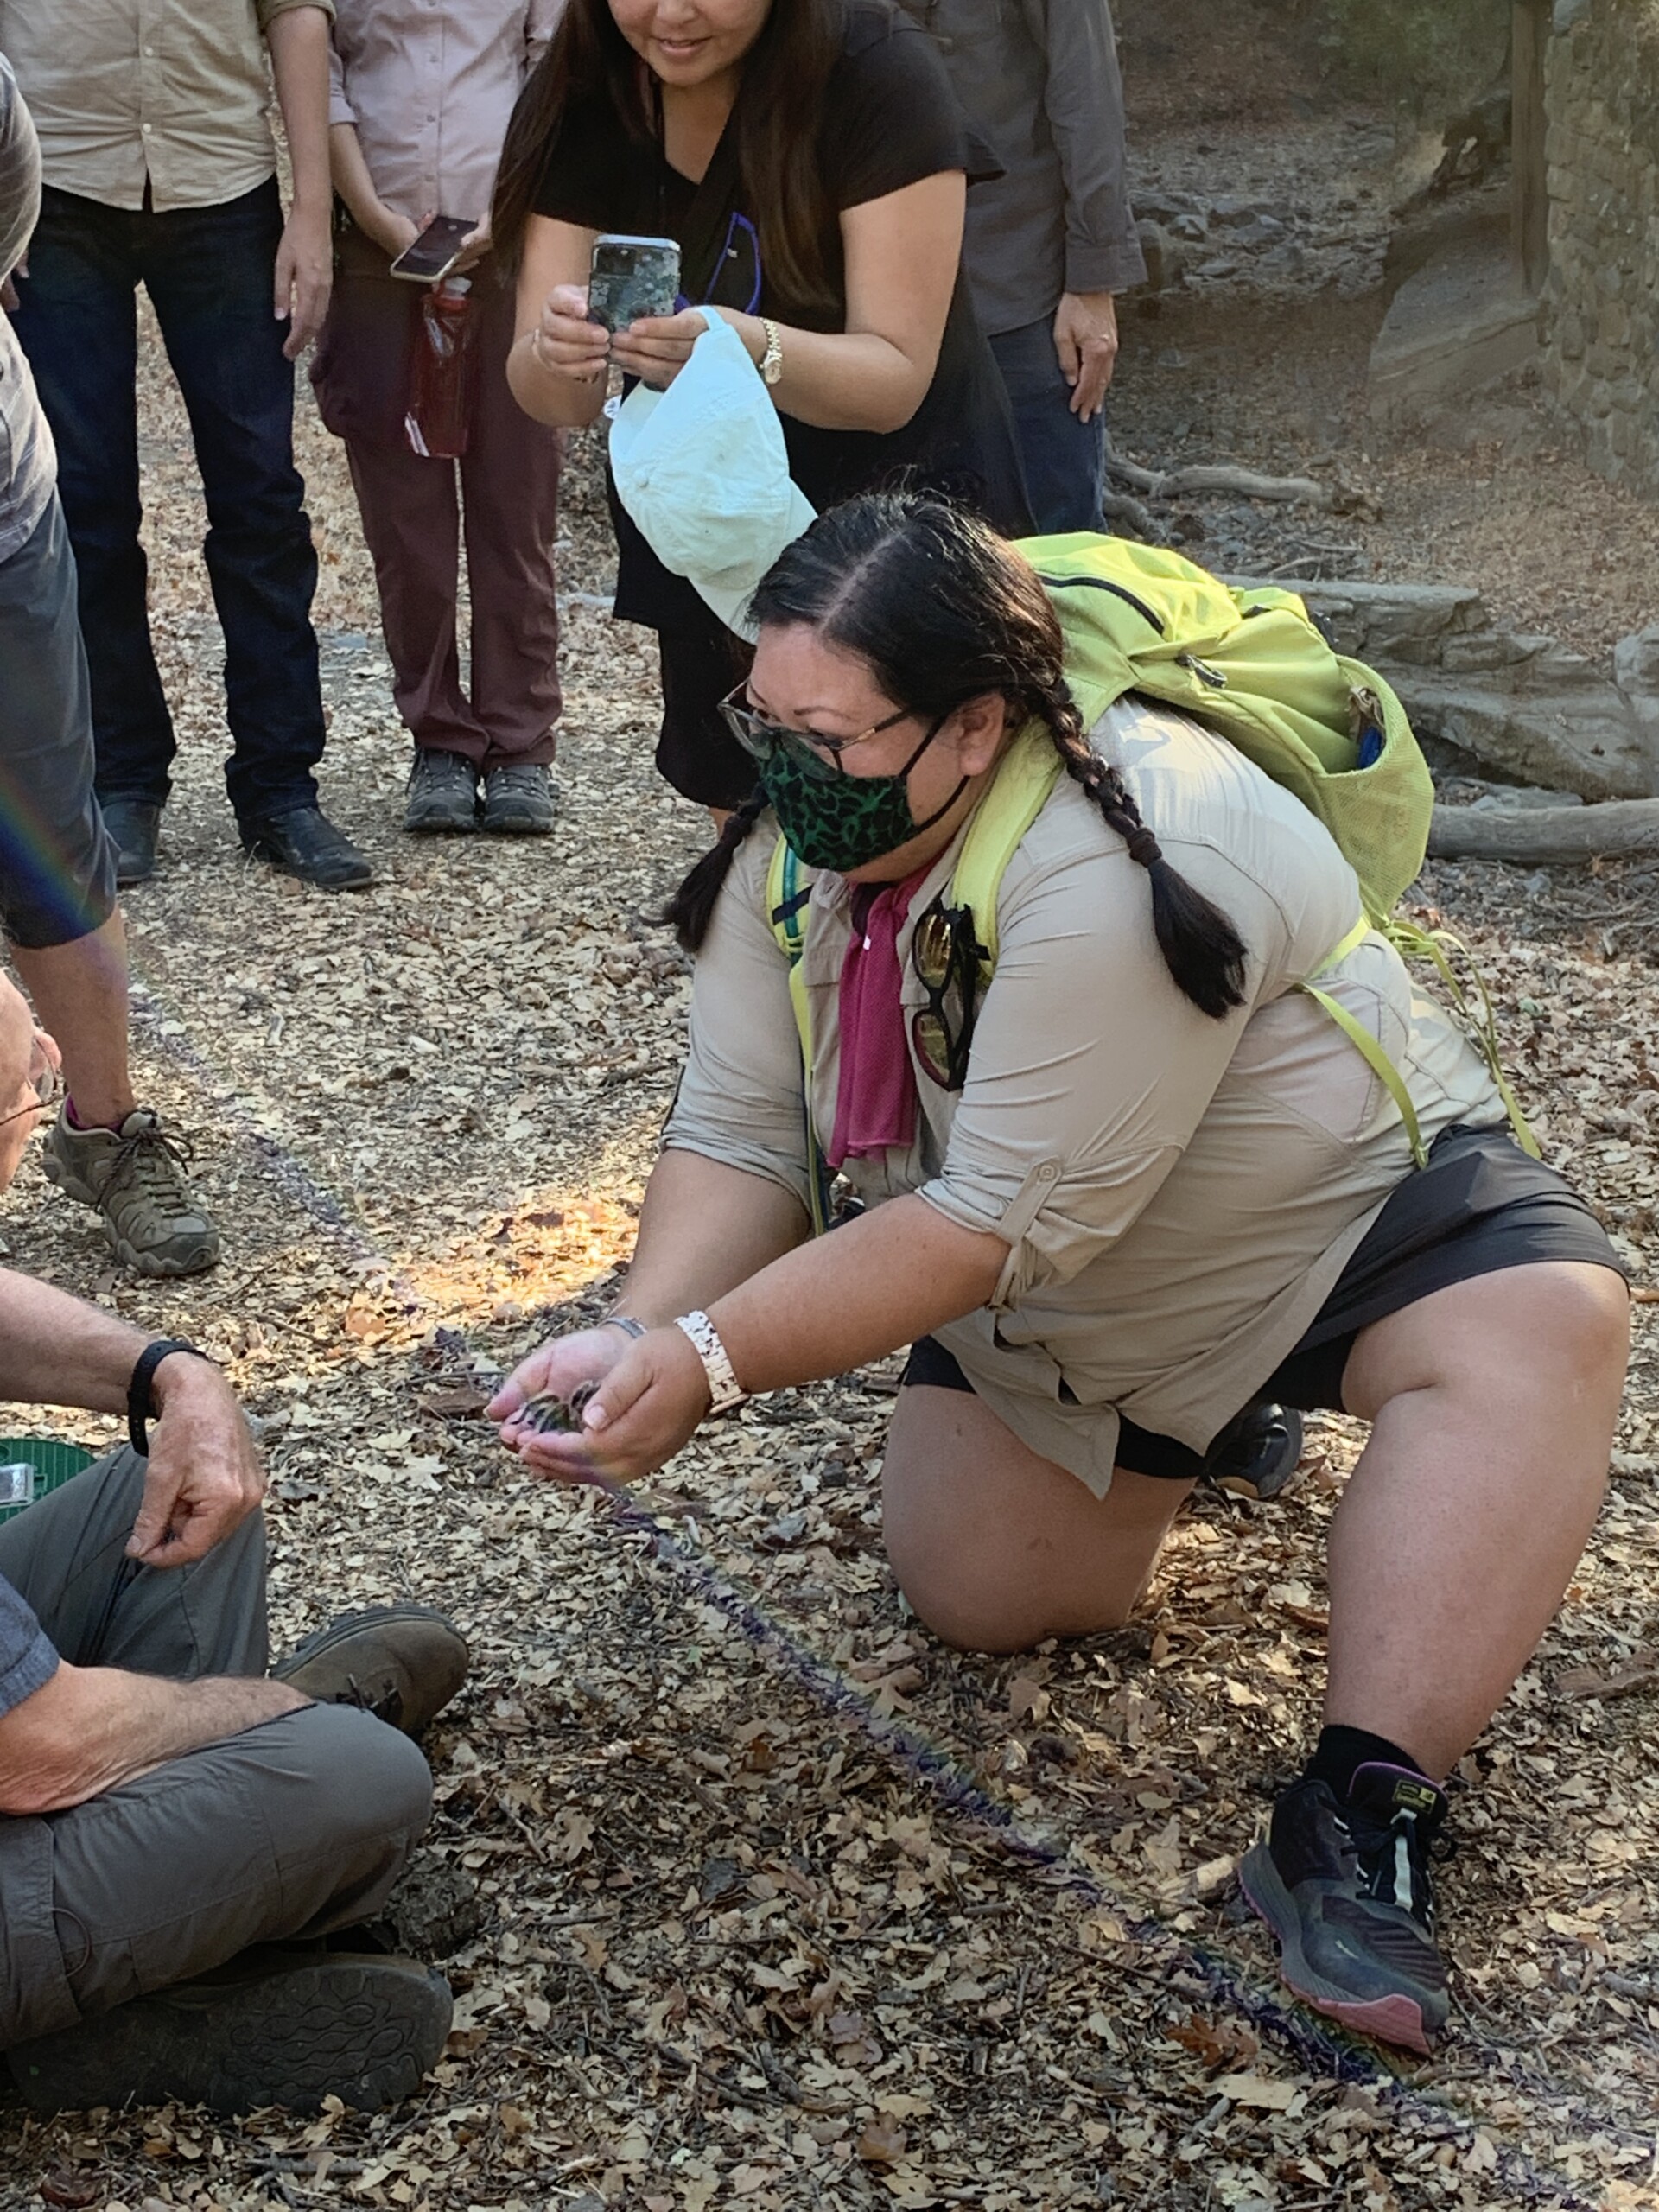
x=946 y=955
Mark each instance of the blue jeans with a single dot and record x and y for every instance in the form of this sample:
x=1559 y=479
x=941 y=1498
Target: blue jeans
x=1064 y=460
x=57 y=864
x=208 y=274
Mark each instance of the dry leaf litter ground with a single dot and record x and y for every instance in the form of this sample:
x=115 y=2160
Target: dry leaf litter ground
x=751 y=1893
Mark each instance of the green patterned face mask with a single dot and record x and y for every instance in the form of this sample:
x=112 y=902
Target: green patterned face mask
x=836 y=821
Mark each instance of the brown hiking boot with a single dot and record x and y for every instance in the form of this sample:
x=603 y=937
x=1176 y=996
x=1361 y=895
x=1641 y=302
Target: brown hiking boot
x=403 y=1663
x=134 y=1177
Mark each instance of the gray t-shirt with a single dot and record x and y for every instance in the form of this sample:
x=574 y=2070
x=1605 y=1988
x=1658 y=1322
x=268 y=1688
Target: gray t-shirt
x=28 y=1661
x=29 y=463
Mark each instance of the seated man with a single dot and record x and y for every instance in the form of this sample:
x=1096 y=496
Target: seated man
x=179 y=1831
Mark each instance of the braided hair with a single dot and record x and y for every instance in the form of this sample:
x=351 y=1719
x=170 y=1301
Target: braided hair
x=944 y=611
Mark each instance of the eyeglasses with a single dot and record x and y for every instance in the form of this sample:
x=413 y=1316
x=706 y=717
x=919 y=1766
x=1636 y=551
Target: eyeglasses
x=761 y=740
x=47 y=1087
x=946 y=955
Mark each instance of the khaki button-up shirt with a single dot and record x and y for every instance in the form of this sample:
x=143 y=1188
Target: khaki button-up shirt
x=171 y=92
x=1178 y=1195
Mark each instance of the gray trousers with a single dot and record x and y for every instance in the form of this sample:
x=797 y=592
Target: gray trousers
x=291 y=1828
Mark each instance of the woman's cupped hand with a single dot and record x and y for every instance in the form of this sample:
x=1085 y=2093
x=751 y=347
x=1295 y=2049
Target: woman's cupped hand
x=651 y=1393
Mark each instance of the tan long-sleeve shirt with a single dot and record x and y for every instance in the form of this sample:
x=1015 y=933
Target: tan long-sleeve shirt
x=1178 y=1195
x=173 y=92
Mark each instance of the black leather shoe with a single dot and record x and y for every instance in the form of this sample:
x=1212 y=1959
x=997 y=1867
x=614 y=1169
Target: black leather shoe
x=135 y=824
x=306 y=843
x=1257 y=1453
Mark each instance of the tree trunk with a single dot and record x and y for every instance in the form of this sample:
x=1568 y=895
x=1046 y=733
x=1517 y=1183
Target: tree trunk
x=1545 y=833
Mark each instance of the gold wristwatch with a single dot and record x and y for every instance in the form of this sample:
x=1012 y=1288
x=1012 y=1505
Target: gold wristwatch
x=771 y=363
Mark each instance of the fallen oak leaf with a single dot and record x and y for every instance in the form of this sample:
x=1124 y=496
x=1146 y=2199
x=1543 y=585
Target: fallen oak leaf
x=883 y=2142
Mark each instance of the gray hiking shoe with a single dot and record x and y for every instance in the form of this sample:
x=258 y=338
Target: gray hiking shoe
x=403 y=1663
x=520 y=800
x=134 y=1176
x=275 y=2025
x=442 y=793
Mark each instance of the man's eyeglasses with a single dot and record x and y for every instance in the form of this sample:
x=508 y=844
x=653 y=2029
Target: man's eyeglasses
x=47 y=1087
x=761 y=740
x=946 y=955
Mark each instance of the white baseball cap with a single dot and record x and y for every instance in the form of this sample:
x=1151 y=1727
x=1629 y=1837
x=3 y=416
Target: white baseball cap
x=703 y=471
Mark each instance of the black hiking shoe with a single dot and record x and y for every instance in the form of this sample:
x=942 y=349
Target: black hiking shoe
x=442 y=793
x=520 y=800
x=306 y=843
x=276 y=2026
x=1346 y=1890
x=403 y=1663
x=136 y=826
x=1257 y=1453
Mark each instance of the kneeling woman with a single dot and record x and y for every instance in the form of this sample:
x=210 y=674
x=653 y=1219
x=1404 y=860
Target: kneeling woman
x=1138 y=1181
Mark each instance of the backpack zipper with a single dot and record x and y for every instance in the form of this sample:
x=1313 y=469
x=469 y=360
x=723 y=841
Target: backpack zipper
x=1104 y=583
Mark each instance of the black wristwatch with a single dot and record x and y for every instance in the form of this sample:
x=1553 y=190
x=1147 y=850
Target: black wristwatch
x=140 y=1402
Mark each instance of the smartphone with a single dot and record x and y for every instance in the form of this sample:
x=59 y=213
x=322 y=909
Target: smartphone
x=428 y=258
x=632 y=277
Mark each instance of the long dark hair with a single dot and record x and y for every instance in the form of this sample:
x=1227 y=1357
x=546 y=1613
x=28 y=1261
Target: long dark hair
x=943 y=610
x=785 y=76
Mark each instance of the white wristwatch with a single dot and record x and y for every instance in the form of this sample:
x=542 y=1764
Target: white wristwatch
x=725 y=1391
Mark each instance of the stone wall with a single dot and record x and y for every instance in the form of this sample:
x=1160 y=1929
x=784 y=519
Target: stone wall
x=1602 y=301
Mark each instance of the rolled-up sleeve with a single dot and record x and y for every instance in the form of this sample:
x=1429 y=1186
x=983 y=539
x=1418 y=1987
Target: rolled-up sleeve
x=1083 y=98
x=1090 y=1070
x=28 y=1661
x=741 y=1099
x=340 y=108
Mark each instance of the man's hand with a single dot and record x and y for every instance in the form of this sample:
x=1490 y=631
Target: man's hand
x=304 y=277
x=205 y=1476
x=1085 y=342
x=9 y=299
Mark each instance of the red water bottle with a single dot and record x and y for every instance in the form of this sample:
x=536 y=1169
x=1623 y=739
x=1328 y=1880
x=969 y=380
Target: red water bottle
x=439 y=378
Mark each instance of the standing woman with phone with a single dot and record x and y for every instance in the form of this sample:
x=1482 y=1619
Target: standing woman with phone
x=810 y=159
x=421 y=95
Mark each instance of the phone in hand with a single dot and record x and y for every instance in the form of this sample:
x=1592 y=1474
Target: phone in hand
x=429 y=258
x=632 y=277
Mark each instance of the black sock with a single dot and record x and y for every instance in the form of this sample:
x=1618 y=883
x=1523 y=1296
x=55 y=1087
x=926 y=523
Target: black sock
x=1340 y=1753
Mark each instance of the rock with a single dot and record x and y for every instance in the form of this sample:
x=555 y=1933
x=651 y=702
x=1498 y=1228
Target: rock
x=434 y=1910
x=1520 y=703
x=1636 y=671
x=1163 y=253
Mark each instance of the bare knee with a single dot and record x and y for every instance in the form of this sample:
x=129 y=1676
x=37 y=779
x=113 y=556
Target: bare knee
x=976 y=1604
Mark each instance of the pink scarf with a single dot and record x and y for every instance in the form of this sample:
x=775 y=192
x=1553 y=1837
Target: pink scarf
x=875 y=1097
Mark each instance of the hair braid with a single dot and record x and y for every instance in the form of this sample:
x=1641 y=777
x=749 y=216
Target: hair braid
x=692 y=907
x=1202 y=950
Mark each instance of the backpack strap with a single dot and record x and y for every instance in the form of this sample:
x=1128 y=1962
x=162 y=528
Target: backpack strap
x=1029 y=771
x=787 y=898
x=1369 y=1048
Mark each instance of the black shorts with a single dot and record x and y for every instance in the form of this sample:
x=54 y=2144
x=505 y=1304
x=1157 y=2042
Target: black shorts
x=1481 y=1204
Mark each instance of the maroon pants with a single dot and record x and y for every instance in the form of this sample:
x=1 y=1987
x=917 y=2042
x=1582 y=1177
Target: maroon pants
x=413 y=520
